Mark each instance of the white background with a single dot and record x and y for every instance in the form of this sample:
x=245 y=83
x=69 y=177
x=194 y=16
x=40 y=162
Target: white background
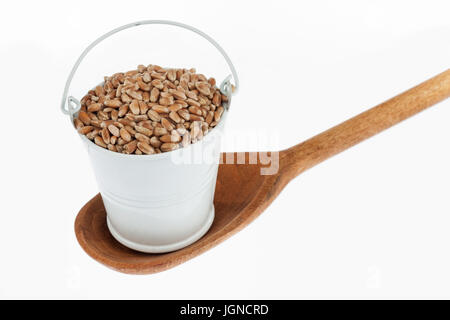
x=371 y=222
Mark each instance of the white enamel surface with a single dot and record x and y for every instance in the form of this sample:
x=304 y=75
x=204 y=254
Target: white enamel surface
x=159 y=203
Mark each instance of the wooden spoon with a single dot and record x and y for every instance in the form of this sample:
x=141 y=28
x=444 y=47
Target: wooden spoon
x=242 y=193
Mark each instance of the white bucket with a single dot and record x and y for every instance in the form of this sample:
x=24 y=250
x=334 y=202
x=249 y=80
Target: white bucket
x=162 y=202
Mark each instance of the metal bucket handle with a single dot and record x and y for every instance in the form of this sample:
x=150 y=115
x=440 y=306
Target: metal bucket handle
x=73 y=105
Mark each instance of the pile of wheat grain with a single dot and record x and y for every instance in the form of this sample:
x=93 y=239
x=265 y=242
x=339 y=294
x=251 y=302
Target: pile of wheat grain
x=150 y=110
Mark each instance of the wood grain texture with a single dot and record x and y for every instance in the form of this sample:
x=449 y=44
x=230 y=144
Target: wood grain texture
x=367 y=124
x=242 y=193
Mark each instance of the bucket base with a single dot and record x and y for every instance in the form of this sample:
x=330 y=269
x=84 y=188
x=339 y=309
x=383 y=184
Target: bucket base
x=165 y=248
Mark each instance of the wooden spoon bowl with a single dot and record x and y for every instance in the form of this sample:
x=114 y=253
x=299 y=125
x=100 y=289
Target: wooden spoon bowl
x=234 y=209
x=242 y=192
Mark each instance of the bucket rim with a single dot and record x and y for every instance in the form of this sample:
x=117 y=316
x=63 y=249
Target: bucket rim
x=161 y=155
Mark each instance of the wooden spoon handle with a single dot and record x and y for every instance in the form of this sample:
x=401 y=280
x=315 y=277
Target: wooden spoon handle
x=365 y=125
